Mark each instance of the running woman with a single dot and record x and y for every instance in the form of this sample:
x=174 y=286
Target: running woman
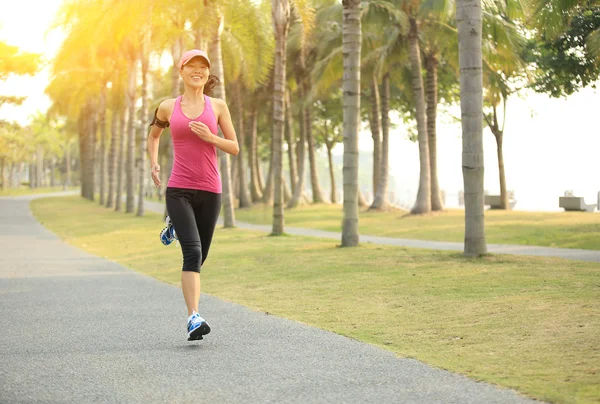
x=193 y=194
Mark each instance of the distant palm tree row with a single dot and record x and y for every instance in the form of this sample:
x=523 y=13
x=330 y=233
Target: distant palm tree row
x=299 y=74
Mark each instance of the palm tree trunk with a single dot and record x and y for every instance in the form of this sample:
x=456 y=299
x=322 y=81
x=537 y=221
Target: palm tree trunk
x=86 y=151
x=176 y=51
x=255 y=188
x=121 y=158
x=244 y=192
x=423 y=203
x=331 y=172
x=287 y=192
x=468 y=19
x=11 y=176
x=310 y=140
x=380 y=201
x=112 y=159
x=261 y=177
x=351 y=44
x=67 y=182
x=267 y=191
x=281 y=16
x=144 y=124
x=39 y=166
x=301 y=146
x=503 y=193
x=499 y=136
x=92 y=128
x=32 y=174
x=289 y=136
x=431 y=64
x=362 y=201
x=52 y=171
x=235 y=183
x=2 y=173
x=375 y=124
x=130 y=166
x=102 y=124
x=217 y=58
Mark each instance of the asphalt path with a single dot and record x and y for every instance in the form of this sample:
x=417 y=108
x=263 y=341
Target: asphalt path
x=76 y=328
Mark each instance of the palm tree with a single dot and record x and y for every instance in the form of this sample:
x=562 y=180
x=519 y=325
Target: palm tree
x=216 y=54
x=468 y=19
x=303 y=45
x=112 y=159
x=102 y=151
x=281 y=23
x=144 y=58
x=249 y=55
x=404 y=29
x=289 y=137
x=439 y=51
x=351 y=34
x=502 y=64
x=131 y=108
x=380 y=199
x=122 y=128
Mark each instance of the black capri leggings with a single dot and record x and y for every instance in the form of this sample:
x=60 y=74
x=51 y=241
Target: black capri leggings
x=194 y=215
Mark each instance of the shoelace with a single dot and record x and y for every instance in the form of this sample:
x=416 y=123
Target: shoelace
x=196 y=319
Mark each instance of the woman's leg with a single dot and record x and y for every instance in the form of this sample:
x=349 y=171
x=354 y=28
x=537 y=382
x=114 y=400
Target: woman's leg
x=181 y=212
x=207 y=214
x=190 y=284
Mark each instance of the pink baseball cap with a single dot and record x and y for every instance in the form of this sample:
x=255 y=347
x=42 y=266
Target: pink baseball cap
x=187 y=56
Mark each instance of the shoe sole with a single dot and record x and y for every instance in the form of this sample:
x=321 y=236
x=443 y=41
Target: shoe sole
x=199 y=332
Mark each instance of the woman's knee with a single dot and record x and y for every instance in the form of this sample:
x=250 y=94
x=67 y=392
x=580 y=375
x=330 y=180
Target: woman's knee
x=192 y=257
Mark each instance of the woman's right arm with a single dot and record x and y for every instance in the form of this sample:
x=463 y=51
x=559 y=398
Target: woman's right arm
x=160 y=122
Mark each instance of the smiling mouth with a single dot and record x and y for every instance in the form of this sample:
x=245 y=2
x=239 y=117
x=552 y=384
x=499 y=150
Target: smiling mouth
x=197 y=77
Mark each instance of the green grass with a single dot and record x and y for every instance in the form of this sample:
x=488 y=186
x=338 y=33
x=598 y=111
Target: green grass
x=532 y=324
x=24 y=190
x=552 y=229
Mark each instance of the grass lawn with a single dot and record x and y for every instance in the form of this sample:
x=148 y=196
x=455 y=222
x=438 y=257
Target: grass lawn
x=532 y=324
x=23 y=190
x=552 y=229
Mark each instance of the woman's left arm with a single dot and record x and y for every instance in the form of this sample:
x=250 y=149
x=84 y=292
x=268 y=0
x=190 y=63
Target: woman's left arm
x=229 y=143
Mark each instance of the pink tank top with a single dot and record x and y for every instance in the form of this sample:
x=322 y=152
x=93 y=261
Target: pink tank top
x=194 y=160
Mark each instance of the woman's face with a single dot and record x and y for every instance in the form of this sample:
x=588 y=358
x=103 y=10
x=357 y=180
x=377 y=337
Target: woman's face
x=195 y=72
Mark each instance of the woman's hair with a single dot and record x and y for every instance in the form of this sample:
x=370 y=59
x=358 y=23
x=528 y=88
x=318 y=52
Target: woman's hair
x=211 y=84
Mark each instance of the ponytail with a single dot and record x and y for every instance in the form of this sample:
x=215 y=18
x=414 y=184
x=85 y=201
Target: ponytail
x=211 y=84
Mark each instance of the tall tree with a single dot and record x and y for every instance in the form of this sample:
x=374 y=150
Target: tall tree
x=329 y=119
x=504 y=72
x=564 y=57
x=14 y=62
x=468 y=18
x=217 y=57
x=303 y=42
x=351 y=34
x=281 y=23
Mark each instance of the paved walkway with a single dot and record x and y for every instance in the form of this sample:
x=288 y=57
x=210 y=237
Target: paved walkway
x=80 y=329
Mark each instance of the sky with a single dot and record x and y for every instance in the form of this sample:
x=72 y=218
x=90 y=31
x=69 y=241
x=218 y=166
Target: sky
x=550 y=145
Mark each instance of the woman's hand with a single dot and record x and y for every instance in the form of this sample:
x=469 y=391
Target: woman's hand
x=202 y=131
x=156 y=175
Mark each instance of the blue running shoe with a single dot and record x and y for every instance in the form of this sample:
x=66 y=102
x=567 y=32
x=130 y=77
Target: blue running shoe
x=168 y=235
x=197 y=327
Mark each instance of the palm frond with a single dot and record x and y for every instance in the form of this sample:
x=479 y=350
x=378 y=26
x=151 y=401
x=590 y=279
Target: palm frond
x=593 y=43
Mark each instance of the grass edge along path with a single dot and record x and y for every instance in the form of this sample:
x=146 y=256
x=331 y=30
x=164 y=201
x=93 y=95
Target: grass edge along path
x=579 y=230
x=530 y=324
x=23 y=190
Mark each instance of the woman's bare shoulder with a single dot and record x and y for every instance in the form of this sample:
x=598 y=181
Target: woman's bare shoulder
x=165 y=109
x=168 y=103
x=218 y=103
